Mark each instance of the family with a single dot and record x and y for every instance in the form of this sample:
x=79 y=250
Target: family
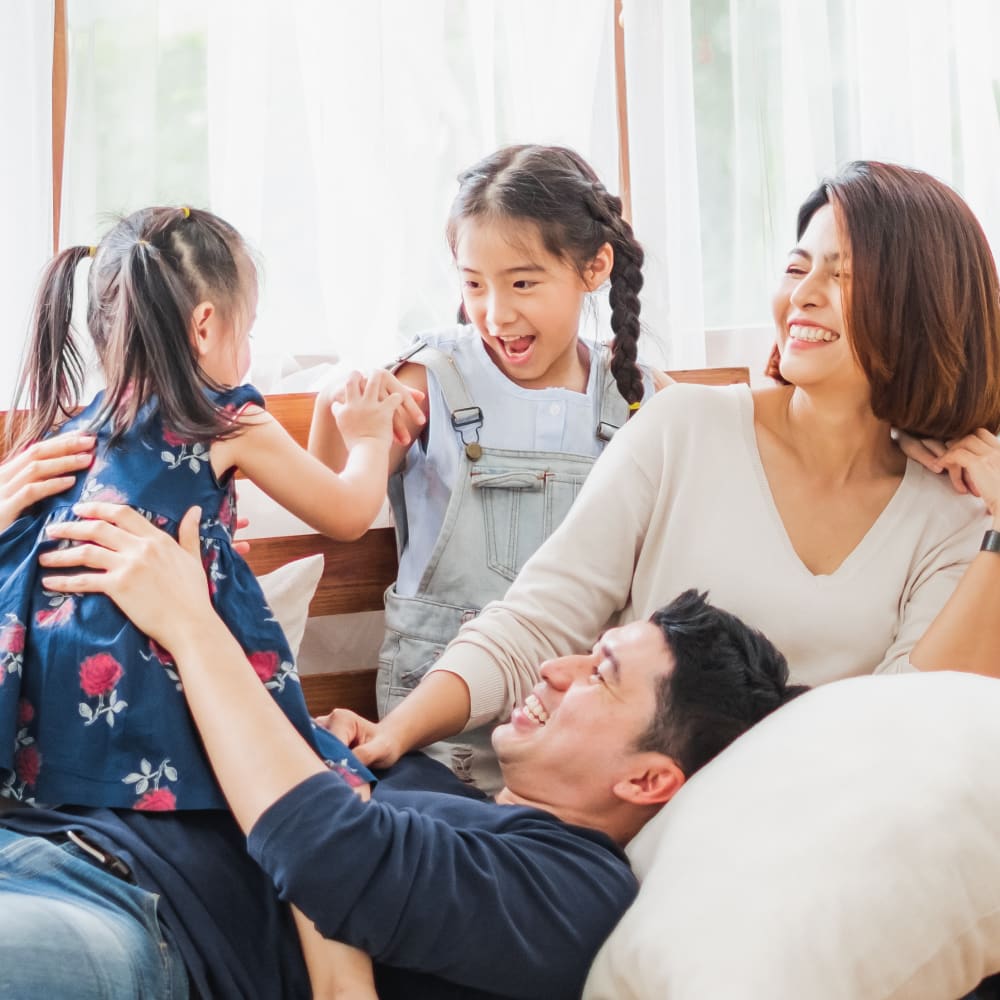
x=175 y=825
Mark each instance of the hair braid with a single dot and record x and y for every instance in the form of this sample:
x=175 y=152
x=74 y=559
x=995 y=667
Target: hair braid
x=626 y=283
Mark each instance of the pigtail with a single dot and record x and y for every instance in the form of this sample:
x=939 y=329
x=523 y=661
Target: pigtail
x=51 y=377
x=626 y=283
x=148 y=351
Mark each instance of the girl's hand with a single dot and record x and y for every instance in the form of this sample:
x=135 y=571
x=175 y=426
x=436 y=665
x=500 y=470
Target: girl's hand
x=155 y=581
x=975 y=460
x=368 y=409
x=42 y=470
x=372 y=746
x=242 y=546
x=409 y=408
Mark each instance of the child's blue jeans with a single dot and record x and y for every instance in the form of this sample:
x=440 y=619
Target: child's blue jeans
x=70 y=928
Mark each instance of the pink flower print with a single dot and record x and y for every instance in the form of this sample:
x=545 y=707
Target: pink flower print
x=12 y=637
x=272 y=672
x=265 y=665
x=172 y=439
x=27 y=764
x=50 y=617
x=160 y=800
x=160 y=653
x=11 y=646
x=99 y=674
x=352 y=779
x=25 y=712
x=99 y=493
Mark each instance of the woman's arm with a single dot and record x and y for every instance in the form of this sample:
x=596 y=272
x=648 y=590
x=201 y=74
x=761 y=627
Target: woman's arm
x=256 y=753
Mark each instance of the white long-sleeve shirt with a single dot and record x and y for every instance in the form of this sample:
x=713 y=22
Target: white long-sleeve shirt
x=679 y=499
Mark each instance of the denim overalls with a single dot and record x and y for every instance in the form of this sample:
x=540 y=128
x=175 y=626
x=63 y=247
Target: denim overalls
x=503 y=505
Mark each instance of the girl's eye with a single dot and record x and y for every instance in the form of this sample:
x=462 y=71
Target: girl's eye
x=470 y=284
x=524 y=284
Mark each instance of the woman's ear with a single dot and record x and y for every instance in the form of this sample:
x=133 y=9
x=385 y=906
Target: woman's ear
x=203 y=323
x=599 y=269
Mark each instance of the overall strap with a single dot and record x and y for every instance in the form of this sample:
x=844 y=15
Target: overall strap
x=466 y=417
x=610 y=405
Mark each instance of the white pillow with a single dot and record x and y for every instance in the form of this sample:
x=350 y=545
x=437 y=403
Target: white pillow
x=288 y=591
x=847 y=847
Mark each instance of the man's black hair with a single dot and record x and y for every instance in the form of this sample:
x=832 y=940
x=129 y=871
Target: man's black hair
x=726 y=678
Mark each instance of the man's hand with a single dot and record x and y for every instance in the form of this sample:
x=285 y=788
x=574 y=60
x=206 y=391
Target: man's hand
x=371 y=745
x=42 y=470
x=156 y=582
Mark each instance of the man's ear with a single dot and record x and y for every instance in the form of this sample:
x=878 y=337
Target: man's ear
x=599 y=269
x=202 y=326
x=653 y=779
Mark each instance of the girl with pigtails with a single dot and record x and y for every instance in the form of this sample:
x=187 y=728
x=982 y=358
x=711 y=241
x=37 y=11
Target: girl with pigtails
x=91 y=711
x=518 y=405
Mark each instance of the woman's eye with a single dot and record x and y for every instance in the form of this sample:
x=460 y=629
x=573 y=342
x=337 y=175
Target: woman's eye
x=794 y=269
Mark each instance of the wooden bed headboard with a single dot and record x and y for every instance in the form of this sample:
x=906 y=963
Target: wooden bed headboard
x=356 y=574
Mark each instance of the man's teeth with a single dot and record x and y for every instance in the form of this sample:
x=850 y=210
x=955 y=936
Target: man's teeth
x=535 y=710
x=812 y=333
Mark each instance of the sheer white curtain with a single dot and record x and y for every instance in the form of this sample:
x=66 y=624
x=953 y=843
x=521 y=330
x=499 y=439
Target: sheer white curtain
x=337 y=130
x=746 y=104
x=25 y=171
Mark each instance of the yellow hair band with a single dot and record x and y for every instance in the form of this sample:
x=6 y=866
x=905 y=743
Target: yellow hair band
x=633 y=407
x=186 y=211
x=91 y=251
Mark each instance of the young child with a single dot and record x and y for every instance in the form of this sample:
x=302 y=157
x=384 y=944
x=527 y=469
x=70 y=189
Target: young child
x=518 y=405
x=91 y=711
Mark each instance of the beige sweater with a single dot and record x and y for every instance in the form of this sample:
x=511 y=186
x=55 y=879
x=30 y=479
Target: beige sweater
x=679 y=499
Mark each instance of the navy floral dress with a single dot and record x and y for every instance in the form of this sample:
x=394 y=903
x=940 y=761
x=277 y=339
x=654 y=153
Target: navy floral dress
x=91 y=709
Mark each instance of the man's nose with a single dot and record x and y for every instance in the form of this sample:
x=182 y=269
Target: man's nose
x=561 y=673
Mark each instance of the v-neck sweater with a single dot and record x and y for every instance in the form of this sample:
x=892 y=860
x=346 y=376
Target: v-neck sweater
x=680 y=499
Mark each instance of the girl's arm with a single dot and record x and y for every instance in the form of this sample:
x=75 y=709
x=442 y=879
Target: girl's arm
x=341 y=505
x=965 y=635
x=257 y=755
x=327 y=443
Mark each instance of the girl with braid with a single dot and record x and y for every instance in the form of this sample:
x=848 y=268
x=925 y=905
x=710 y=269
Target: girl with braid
x=518 y=405
x=91 y=710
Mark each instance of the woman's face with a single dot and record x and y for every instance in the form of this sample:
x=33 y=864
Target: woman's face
x=809 y=308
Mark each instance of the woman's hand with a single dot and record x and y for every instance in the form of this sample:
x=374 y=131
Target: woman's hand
x=157 y=583
x=371 y=744
x=42 y=470
x=975 y=460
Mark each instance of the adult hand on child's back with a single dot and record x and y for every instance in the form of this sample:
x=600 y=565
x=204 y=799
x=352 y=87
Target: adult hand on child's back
x=42 y=470
x=370 y=744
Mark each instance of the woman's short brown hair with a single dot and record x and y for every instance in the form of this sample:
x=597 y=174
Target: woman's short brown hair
x=923 y=303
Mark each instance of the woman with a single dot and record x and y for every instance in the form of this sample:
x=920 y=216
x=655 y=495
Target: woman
x=792 y=504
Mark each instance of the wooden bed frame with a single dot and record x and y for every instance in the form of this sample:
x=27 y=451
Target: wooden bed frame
x=356 y=574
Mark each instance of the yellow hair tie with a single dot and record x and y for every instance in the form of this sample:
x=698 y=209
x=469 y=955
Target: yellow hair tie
x=633 y=407
x=186 y=211
x=91 y=251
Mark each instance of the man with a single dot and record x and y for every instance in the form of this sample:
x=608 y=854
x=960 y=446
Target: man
x=451 y=895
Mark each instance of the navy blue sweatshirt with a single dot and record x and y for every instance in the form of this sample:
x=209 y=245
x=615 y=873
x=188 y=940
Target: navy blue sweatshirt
x=451 y=894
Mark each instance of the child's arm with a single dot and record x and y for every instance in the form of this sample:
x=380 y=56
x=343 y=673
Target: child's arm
x=336 y=971
x=340 y=505
x=327 y=443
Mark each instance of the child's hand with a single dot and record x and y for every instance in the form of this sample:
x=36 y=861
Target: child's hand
x=408 y=412
x=371 y=746
x=368 y=408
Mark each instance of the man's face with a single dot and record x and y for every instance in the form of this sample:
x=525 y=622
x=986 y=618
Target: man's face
x=574 y=738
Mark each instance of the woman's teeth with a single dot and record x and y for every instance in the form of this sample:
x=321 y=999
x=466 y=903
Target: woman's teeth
x=812 y=333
